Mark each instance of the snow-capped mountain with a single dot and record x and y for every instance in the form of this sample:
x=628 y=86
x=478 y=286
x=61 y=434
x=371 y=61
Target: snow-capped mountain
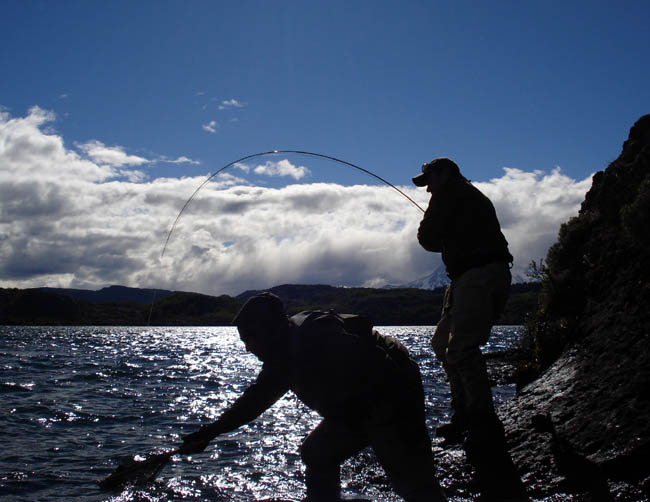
x=438 y=278
x=434 y=280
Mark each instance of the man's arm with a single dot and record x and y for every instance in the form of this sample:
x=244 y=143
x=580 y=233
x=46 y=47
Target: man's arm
x=432 y=226
x=271 y=385
x=429 y=235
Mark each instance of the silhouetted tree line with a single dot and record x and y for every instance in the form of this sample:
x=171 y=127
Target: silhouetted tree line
x=385 y=307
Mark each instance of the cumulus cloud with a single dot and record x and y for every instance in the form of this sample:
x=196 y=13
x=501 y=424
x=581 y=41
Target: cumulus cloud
x=111 y=155
x=531 y=206
x=73 y=221
x=27 y=151
x=281 y=168
x=275 y=168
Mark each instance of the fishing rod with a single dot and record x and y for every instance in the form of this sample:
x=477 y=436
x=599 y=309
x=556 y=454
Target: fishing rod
x=262 y=154
x=282 y=152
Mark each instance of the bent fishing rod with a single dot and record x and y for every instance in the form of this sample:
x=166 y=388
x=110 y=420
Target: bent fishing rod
x=262 y=154
x=281 y=152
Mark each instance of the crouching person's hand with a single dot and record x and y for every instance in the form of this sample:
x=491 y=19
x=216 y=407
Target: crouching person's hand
x=199 y=440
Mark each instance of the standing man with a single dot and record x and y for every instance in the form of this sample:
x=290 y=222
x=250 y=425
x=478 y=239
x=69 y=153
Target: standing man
x=364 y=385
x=461 y=223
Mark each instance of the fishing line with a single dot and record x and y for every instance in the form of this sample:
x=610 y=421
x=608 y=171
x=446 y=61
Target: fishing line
x=274 y=152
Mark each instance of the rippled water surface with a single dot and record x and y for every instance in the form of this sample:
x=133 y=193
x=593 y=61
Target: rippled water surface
x=75 y=401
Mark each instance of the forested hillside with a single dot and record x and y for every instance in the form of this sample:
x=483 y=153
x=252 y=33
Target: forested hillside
x=404 y=306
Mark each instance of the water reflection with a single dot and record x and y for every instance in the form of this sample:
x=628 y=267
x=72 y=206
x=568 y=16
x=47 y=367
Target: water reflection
x=78 y=400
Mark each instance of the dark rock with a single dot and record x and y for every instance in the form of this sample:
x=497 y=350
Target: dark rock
x=591 y=341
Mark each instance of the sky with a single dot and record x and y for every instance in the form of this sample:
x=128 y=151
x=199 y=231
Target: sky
x=113 y=113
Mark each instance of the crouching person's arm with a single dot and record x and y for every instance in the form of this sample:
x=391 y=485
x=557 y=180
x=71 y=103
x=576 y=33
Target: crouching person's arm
x=271 y=385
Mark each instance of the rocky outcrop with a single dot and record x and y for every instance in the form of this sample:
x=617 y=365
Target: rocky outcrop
x=582 y=427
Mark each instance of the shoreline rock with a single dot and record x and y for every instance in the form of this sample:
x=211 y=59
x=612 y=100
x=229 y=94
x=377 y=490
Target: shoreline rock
x=582 y=427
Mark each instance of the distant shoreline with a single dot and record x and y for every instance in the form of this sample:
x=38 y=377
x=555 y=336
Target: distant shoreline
x=122 y=306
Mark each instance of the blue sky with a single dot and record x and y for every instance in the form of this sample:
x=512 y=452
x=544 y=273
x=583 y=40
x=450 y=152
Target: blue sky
x=179 y=89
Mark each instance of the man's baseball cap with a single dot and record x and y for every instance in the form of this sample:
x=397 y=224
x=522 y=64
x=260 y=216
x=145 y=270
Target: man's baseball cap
x=264 y=308
x=422 y=180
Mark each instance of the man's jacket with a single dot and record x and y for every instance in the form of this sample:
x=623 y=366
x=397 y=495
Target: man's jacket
x=461 y=223
x=338 y=374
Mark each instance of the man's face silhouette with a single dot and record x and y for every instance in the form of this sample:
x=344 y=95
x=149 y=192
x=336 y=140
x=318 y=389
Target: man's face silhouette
x=253 y=336
x=437 y=178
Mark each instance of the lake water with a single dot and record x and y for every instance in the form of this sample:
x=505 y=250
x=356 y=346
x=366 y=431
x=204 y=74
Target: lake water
x=77 y=400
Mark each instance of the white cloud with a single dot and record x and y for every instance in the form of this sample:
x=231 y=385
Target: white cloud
x=110 y=155
x=210 y=126
x=531 y=206
x=26 y=150
x=275 y=168
x=243 y=167
x=133 y=176
x=63 y=224
x=281 y=168
x=179 y=160
x=230 y=103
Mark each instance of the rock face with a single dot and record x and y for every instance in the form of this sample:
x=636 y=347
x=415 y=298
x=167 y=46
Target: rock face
x=582 y=427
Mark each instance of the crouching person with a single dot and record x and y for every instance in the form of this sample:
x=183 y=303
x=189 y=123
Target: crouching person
x=364 y=385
